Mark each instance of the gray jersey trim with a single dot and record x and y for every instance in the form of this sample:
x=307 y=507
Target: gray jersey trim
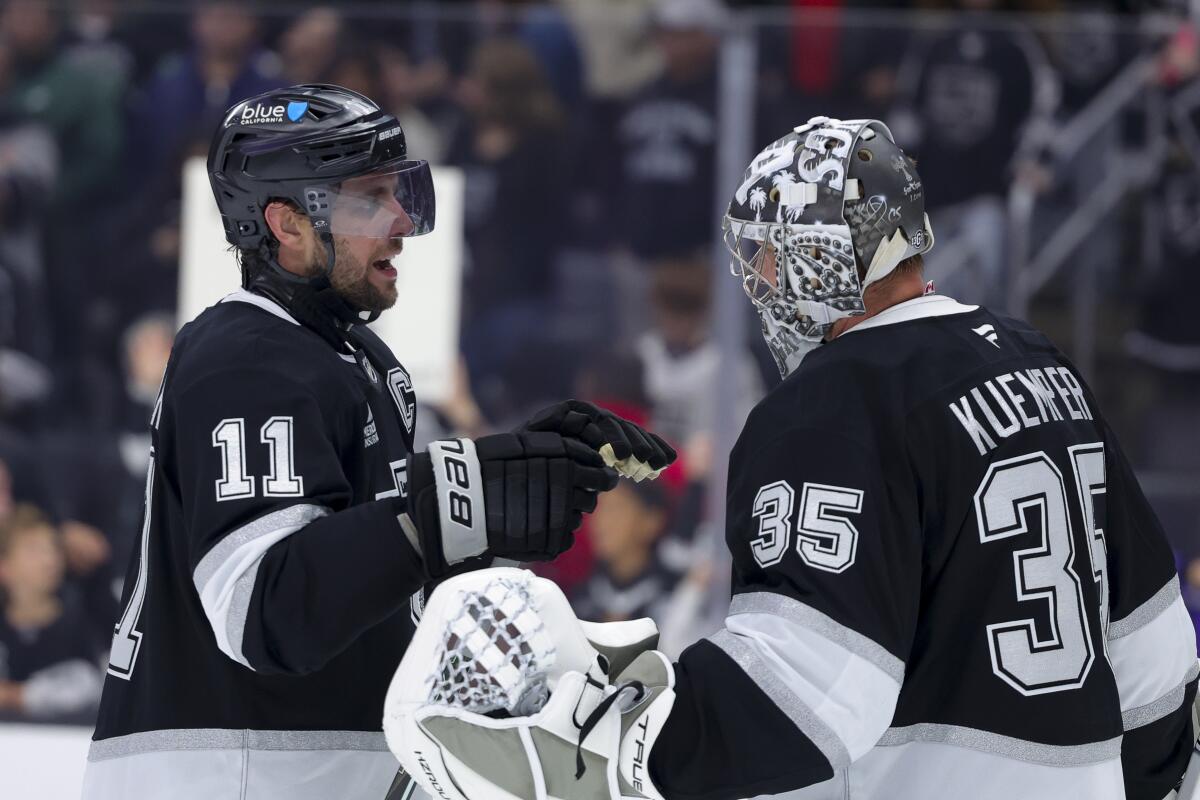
x=808 y=617
x=1156 y=710
x=1020 y=749
x=1147 y=612
x=278 y=524
x=784 y=698
x=229 y=739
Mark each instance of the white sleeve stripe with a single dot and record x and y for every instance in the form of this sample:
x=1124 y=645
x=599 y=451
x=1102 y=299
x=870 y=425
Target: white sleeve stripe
x=299 y=514
x=225 y=577
x=853 y=697
x=1150 y=662
x=1146 y=612
x=1156 y=710
x=808 y=617
x=744 y=655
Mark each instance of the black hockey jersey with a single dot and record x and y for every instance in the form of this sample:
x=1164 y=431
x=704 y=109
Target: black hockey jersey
x=269 y=603
x=946 y=583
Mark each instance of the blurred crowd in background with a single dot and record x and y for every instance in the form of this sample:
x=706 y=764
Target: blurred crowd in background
x=588 y=132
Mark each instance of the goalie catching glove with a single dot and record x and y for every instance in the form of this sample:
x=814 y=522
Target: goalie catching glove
x=629 y=448
x=512 y=495
x=502 y=640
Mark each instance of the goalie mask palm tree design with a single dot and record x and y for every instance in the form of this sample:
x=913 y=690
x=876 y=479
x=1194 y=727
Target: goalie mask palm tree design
x=820 y=215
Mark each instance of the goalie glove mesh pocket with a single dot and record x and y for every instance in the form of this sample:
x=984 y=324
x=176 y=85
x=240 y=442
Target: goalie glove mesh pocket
x=497 y=652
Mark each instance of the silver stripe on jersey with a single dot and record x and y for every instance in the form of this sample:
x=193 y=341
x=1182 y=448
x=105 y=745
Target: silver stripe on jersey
x=785 y=699
x=808 y=617
x=239 y=555
x=1146 y=612
x=298 y=514
x=1007 y=746
x=231 y=739
x=1152 y=712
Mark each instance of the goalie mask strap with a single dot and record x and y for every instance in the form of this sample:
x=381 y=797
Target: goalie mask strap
x=593 y=719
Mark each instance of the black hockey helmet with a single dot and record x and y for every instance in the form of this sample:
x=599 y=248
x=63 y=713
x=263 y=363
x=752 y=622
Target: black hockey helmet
x=821 y=214
x=300 y=144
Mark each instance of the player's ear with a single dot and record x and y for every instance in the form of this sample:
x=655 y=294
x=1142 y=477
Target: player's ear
x=286 y=224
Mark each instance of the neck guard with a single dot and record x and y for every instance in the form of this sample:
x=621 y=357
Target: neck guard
x=313 y=302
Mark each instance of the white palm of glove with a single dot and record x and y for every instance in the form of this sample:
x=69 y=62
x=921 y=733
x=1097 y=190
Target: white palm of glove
x=590 y=741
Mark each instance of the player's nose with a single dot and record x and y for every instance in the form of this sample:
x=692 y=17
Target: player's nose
x=403 y=224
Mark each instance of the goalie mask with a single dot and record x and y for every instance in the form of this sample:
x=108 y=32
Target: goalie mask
x=820 y=215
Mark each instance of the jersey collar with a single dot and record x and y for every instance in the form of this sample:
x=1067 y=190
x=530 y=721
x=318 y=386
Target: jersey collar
x=271 y=307
x=930 y=305
x=265 y=303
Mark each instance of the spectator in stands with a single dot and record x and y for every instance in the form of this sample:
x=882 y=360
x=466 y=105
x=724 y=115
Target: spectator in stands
x=628 y=579
x=28 y=171
x=1164 y=336
x=78 y=102
x=972 y=93
x=612 y=379
x=190 y=92
x=400 y=85
x=665 y=138
x=100 y=481
x=310 y=46
x=146 y=348
x=92 y=29
x=55 y=86
x=618 y=56
x=48 y=667
x=681 y=360
x=510 y=150
x=545 y=30
x=659 y=189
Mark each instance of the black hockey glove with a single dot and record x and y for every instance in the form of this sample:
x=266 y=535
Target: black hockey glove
x=511 y=495
x=635 y=451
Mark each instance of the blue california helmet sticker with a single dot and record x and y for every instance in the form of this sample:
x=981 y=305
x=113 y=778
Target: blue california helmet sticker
x=296 y=109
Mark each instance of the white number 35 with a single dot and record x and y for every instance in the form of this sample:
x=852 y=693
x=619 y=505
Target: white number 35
x=825 y=539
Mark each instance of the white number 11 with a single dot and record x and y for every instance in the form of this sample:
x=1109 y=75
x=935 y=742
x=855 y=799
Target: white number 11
x=230 y=438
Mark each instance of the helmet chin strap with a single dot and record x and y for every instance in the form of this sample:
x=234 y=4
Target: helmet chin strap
x=312 y=301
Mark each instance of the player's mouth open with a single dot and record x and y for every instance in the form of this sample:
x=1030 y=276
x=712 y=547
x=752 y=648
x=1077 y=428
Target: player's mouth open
x=384 y=265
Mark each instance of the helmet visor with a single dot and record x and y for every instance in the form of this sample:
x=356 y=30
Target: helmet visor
x=386 y=204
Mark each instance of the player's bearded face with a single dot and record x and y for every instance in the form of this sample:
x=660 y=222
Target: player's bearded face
x=368 y=223
x=363 y=274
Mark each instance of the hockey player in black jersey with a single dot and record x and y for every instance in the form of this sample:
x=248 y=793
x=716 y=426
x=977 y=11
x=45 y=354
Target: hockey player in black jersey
x=287 y=520
x=946 y=580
